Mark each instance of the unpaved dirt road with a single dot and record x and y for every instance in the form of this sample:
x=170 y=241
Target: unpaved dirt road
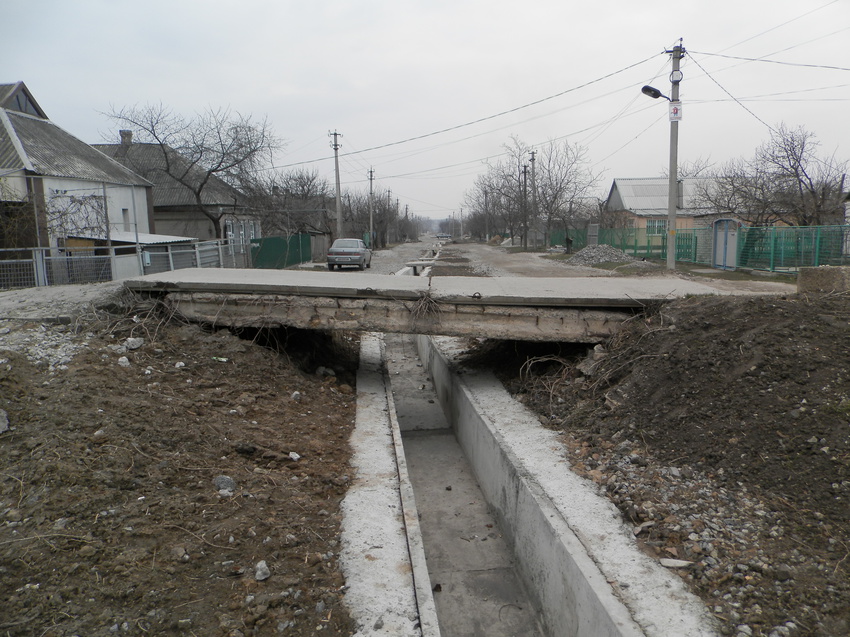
x=720 y=427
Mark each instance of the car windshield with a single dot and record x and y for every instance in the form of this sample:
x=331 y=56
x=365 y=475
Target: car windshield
x=346 y=243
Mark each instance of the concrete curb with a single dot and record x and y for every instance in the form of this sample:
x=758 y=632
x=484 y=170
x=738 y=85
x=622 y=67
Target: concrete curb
x=382 y=557
x=375 y=557
x=421 y=581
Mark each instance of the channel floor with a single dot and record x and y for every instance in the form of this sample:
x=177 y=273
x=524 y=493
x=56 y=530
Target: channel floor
x=477 y=590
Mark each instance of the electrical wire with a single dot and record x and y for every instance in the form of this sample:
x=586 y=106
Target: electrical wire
x=429 y=173
x=619 y=115
x=654 y=122
x=511 y=110
x=737 y=101
x=476 y=121
x=778 y=26
x=745 y=59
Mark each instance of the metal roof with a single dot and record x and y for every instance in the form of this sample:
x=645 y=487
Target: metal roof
x=17 y=97
x=39 y=146
x=148 y=160
x=649 y=197
x=144 y=238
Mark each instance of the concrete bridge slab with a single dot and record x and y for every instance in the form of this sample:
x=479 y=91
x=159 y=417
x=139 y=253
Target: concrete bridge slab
x=535 y=309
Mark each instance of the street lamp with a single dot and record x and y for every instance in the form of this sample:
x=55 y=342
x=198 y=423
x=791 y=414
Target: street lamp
x=678 y=53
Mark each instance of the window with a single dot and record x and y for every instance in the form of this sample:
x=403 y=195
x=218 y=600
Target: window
x=656 y=226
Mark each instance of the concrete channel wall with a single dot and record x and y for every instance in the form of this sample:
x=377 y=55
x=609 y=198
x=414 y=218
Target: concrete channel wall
x=388 y=591
x=579 y=561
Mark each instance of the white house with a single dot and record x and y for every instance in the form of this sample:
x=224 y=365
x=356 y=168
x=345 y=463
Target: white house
x=56 y=191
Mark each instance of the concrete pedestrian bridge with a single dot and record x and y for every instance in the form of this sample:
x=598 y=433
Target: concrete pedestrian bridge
x=584 y=310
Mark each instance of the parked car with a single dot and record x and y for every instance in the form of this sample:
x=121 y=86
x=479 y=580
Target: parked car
x=349 y=252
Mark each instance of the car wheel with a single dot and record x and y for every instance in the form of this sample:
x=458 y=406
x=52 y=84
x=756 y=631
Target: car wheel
x=362 y=265
x=331 y=267
x=369 y=263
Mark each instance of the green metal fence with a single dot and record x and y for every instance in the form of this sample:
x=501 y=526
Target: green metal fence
x=787 y=249
x=774 y=249
x=276 y=253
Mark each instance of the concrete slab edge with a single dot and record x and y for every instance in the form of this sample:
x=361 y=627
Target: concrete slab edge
x=576 y=556
x=425 y=604
x=375 y=555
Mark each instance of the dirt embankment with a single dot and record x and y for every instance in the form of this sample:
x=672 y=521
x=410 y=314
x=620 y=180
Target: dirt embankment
x=185 y=484
x=720 y=426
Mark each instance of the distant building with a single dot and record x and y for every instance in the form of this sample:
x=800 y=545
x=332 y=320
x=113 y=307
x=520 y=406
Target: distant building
x=175 y=208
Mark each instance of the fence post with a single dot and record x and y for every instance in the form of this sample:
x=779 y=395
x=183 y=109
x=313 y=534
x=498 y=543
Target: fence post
x=817 y=247
x=772 y=232
x=39 y=267
x=197 y=255
x=170 y=258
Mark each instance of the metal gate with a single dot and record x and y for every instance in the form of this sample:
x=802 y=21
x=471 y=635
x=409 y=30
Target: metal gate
x=725 y=253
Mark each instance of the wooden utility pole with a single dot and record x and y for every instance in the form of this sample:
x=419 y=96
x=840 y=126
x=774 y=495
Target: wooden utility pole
x=335 y=145
x=486 y=218
x=371 y=214
x=525 y=207
x=533 y=188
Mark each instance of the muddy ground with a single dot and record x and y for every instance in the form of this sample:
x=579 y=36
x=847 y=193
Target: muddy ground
x=188 y=484
x=143 y=484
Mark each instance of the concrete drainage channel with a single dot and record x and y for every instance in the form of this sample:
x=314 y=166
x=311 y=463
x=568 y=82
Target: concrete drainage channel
x=464 y=518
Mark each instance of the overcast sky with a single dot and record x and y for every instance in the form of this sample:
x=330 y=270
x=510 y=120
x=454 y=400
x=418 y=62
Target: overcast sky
x=382 y=72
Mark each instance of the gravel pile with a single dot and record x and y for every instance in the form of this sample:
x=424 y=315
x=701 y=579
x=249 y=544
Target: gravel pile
x=52 y=346
x=594 y=255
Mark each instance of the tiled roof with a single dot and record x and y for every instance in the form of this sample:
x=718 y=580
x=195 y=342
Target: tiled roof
x=39 y=146
x=148 y=161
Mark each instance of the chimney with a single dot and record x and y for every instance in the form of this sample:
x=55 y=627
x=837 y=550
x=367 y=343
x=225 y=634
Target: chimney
x=126 y=137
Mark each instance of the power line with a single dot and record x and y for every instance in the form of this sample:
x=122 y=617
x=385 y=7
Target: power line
x=737 y=101
x=511 y=110
x=758 y=35
x=734 y=57
x=479 y=120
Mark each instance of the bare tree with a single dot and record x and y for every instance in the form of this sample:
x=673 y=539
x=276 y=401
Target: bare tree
x=289 y=203
x=785 y=181
x=740 y=189
x=563 y=181
x=218 y=143
x=505 y=196
x=699 y=167
x=499 y=200
x=77 y=216
x=810 y=188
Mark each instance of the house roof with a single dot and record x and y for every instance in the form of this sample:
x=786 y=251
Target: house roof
x=144 y=238
x=649 y=197
x=149 y=161
x=17 y=97
x=40 y=147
